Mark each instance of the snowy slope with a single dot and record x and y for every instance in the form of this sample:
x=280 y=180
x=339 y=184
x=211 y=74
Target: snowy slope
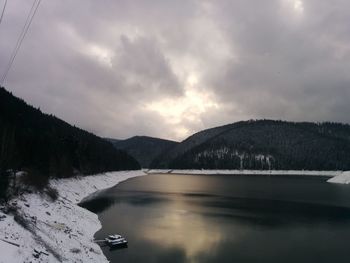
x=61 y=229
x=343 y=178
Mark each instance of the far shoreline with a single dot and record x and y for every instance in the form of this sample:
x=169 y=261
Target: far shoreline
x=226 y=172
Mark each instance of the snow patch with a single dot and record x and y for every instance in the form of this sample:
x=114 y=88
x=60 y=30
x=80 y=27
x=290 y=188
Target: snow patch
x=343 y=178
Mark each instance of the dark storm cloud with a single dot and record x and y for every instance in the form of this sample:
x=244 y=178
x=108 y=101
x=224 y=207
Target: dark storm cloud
x=170 y=68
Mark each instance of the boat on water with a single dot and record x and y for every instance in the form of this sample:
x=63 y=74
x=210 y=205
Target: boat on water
x=116 y=241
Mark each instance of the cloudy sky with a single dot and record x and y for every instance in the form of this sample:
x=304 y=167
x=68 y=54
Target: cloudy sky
x=169 y=68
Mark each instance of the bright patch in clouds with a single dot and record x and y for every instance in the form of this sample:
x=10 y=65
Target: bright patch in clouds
x=185 y=109
x=296 y=5
x=192 y=79
x=99 y=53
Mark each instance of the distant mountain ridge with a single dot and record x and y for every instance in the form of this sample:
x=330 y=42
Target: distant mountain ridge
x=46 y=146
x=263 y=144
x=144 y=148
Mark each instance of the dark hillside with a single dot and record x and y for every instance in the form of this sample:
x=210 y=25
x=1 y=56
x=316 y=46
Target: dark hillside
x=46 y=146
x=265 y=144
x=143 y=148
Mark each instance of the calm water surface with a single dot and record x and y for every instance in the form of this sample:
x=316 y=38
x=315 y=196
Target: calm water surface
x=189 y=218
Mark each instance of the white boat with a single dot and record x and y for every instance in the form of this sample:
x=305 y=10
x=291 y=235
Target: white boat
x=116 y=241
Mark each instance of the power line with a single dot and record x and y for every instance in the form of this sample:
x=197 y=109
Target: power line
x=3 y=11
x=21 y=37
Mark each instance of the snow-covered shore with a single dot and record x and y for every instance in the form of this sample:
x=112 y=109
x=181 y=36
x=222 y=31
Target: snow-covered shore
x=343 y=178
x=61 y=229
x=249 y=172
x=339 y=177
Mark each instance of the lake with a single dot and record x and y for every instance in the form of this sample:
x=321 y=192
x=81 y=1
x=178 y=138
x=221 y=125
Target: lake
x=218 y=218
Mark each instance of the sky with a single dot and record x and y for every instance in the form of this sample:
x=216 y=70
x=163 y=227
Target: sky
x=168 y=69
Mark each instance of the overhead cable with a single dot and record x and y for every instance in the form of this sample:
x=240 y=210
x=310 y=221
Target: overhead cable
x=21 y=37
x=3 y=11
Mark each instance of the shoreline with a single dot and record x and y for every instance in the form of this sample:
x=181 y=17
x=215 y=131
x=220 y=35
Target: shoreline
x=62 y=230
x=247 y=172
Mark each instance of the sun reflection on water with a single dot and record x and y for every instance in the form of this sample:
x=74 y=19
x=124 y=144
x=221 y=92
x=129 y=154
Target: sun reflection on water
x=182 y=229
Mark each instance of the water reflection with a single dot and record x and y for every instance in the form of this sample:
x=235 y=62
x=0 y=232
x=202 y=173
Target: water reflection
x=226 y=219
x=230 y=207
x=180 y=228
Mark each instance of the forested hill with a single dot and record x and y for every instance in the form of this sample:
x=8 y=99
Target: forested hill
x=46 y=146
x=143 y=148
x=263 y=144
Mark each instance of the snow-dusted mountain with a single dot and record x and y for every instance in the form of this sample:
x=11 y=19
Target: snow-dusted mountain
x=263 y=144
